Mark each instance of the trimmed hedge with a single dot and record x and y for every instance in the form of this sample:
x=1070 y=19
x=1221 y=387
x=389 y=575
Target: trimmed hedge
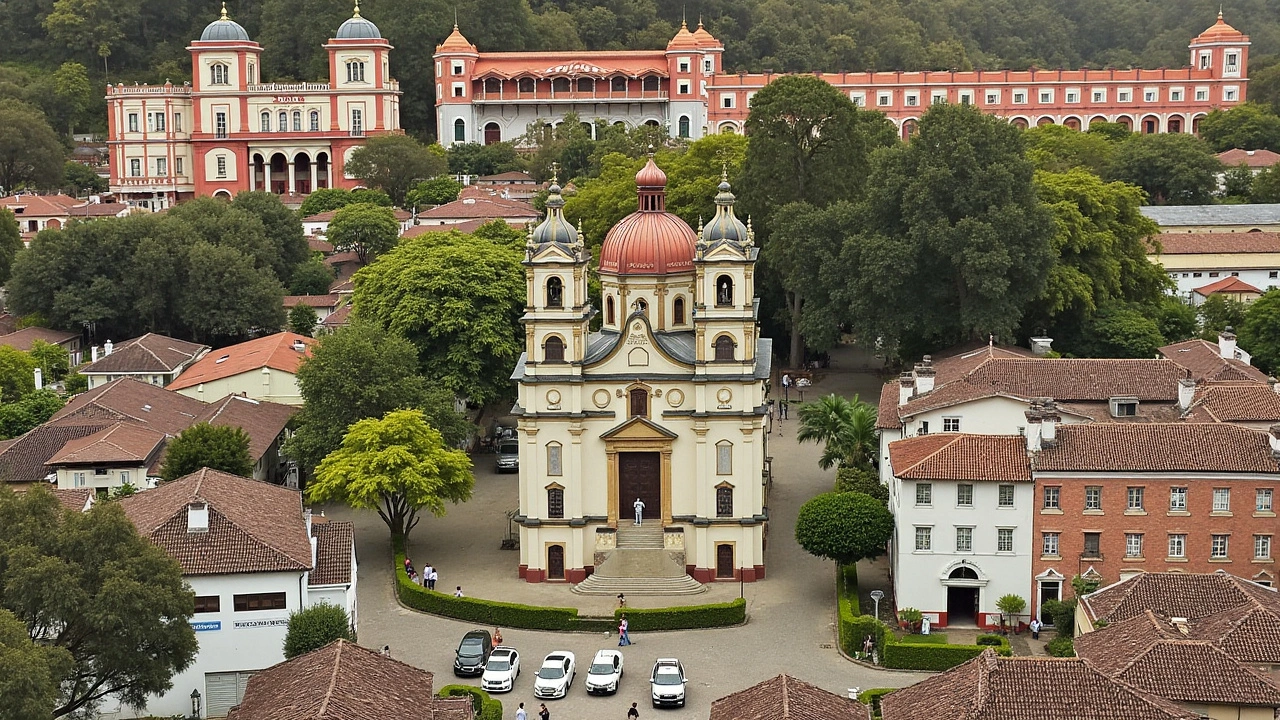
x=486 y=708
x=991 y=639
x=872 y=697
x=1061 y=646
x=915 y=656
x=847 y=576
x=689 y=617
x=854 y=627
x=939 y=638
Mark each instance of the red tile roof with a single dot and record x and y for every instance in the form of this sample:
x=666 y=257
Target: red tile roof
x=955 y=456
x=990 y=687
x=1158 y=447
x=40 y=205
x=273 y=351
x=97 y=210
x=1173 y=594
x=1251 y=158
x=120 y=443
x=466 y=228
x=481 y=208
x=24 y=338
x=253 y=526
x=335 y=546
x=126 y=399
x=343 y=681
x=401 y=216
x=263 y=421
x=316 y=244
x=515 y=176
x=786 y=698
x=150 y=353
x=74 y=499
x=316 y=301
x=337 y=318
x=1218 y=243
x=1227 y=285
x=1235 y=402
x=23 y=459
x=1204 y=360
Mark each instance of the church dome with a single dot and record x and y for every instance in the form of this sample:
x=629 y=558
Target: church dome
x=555 y=228
x=357 y=28
x=725 y=225
x=704 y=38
x=684 y=40
x=1219 y=32
x=224 y=29
x=649 y=241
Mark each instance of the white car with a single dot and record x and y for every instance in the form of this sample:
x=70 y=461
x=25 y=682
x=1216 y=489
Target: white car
x=555 y=675
x=668 y=682
x=501 y=671
x=604 y=673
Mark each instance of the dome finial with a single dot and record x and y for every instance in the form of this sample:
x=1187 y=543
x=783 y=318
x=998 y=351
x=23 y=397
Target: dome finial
x=724 y=171
x=1219 y=11
x=224 y=11
x=555 y=173
x=356 y=14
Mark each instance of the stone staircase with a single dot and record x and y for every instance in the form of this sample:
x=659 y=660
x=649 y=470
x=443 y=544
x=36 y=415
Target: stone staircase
x=639 y=565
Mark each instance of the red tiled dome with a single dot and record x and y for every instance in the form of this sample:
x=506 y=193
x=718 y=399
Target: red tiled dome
x=649 y=241
x=683 y=39
x=1219 y=32
x=651 y=176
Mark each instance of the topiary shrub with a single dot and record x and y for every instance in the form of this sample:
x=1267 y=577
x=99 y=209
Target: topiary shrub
x=862 y=480
x=1063 y=614
x=989 y=639
x=314 y=627
x=1061 y=646
x=486 y=708
x=684 y=618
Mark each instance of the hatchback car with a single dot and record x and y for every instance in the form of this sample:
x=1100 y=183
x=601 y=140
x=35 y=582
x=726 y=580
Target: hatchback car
x=501 y=671
x=668 y=682
x=555 y=675
x=508 y=456
x=604 y=673
x=473 y=653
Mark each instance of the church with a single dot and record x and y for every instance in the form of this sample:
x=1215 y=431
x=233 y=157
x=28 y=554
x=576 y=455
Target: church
x=662 y=409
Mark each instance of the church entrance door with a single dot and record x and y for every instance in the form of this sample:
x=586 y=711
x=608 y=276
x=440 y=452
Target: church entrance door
x=639 y=476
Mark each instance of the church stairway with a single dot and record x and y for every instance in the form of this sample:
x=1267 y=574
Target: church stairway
x=639 y=565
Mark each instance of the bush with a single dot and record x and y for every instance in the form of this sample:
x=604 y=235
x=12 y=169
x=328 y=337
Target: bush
x=863 y=480
x=486 y=708
x=314 y=627
x=993 y=640
x=848 y=577
x=1063 y=615
x=933 y=638
x=910 y=618
x=872 y=697
x=916 y=656
x=684 y=618
x=1061 y=646
x=854 y=628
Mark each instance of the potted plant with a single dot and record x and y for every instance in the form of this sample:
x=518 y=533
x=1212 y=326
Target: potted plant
x=909 y=619
x=1012 y=606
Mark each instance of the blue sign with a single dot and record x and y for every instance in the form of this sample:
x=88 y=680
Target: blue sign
x=207 y=625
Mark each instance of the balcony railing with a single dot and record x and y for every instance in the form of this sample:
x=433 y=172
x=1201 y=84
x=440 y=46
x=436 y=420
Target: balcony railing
x=148 y=89
x=572 y=96
x=289 y=87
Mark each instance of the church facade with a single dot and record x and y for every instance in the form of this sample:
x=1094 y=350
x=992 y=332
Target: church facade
x=664 y=404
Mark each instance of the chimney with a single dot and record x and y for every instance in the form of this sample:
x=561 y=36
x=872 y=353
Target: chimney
x=1034 y=414
x=1227 y=343
x=107 y=347
x=93 y=353
x=1181 y=624
x=1041 y=346
x=299 y=346
x=1049 y=420
x=906 y=388
x=197 y=517
x=200 y=392
x=1186 y=393
x=924 y=374
x=1272 y=382
x=1274 y=437
x=39 y=379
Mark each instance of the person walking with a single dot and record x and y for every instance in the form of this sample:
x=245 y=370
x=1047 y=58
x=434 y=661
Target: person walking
x=624 y=637
x=458 y=592
x=497 y=637
x=521 y=714
x=622 y=601
x=408 y=566
x=639 y=506
x=426 y=574
x=633 y=713
x=431 y=581
x=1035 y=629
x=543 y=712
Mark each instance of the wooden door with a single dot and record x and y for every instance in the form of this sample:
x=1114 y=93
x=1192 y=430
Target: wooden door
x=555 y=562
x=639 y=476
x=724 y=561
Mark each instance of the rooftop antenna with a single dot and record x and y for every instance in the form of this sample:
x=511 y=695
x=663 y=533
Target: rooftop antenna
x=455 y=17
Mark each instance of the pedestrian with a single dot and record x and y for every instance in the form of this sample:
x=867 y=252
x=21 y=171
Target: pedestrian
x=408 y=566
x=622 y=601
x=639 y=507
x=785 y=405
x=1035 y=629
x=431 y=582
x=866 y=646
x=633 y=713
x=458 y=592
x=386 y=651
x=426 y=574
x=543 y=712
x=521 y=714
x=624 y=638
x=497 y=636
x=413 y=576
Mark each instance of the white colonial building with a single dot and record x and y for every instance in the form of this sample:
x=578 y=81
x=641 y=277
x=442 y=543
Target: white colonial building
x=963 y=536
x=664 y=404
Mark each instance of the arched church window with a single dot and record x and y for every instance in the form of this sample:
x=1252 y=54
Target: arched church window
x=265 y=122
x=608 y=310
x=219 y=74
x=555 y=293
x=724 y=291
x=724 y=501
x=553 y=350
x=724 y=348
x=639 y=402
x=315 y=120
x=355 y=71
x=677 y=311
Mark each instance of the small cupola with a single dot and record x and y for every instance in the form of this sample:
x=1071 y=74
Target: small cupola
x=555 y=228
x=358 y=28
x=725 y=226
x=224 y=29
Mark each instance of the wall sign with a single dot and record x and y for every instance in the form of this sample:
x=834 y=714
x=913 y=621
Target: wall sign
x=274 y=622
x=207 y=625
x=288 y=99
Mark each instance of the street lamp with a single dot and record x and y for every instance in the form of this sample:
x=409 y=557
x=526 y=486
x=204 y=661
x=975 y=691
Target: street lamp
x=195 y=704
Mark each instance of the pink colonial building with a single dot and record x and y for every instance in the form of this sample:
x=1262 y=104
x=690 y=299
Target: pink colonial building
x=493 y=96
x=228 y=131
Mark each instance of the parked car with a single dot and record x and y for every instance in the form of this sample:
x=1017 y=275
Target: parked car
x=668 y=682
x=508 y=456
x=555 y=676
x=473 y=653
x=501 y=671
x=604 y=673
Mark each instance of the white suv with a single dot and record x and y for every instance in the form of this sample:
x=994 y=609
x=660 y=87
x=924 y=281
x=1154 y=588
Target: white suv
x=604 y=673
x=501 y=671
x=555 y=676
x=668 y=682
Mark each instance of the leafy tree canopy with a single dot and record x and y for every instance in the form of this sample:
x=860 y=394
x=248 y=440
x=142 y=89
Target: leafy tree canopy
x=53 y=360
x=803 y=255
x=326 y=199
x=10 y=242
x=312 y=277
x=436 y=191
x=1260 y=331
x=79 y=179
x=1173 y=168
x=35 y=409
x=17 y=374
x=314 y=627
x=1119 y=330
x=218 y=447
x=1248 y=126
x=1219 y=312
x=477 y=159
x=395 y=164
x=303 y=319
x=1057 y=148
x=845 y=527
x=365 y=229
x=29 y=672
x=30 y=154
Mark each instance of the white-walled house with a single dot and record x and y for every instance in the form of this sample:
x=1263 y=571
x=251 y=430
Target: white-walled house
x=963 y=511
x=247 y=551
x=151 y=358
x=263 y=369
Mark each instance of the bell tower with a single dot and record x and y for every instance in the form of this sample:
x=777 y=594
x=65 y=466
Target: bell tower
x=724 y=316
x=557 y=314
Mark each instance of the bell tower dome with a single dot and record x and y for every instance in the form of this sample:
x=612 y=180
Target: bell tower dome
x=557 y=315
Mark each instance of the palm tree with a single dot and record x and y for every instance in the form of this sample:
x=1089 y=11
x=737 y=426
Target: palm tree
x=847 y=427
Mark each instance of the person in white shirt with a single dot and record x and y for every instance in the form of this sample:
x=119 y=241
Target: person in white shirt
x=458 y=592
x=639 y=506
x=521 y=714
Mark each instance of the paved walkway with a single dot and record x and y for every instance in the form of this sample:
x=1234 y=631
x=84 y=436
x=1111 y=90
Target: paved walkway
x=792 y=612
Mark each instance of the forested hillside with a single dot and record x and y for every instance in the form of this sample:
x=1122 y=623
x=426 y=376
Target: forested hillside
x=144 y=40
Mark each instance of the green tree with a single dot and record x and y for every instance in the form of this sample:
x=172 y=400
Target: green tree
x=845 y=527
x=1120 y=330
x=35 y=409
x=367 y=230
x=1219 y=312
x=226 y=297
x=1173 y=168
x=436 y=191
x=303 y=319
x=693 y=176
x=397 y=465
x=1266 y=186
x=53 y=360
x=217 y=447
x=314 y=627
x=79 y=179
x=604 y=200
x=1260 y=331
x=17 y=374
x=458 y=301
x=326 y=199
x=863 y=480
x=1113 y=131
x=30 y=154
x=951 y=220
x=804 y=251
x=10 y=243
x=1237 y=183
x=312 y=277
x=362 y=371
x=477 y=159
x=1057 y=148
x=90 y=28
x=1176 y=320
x=846 y=428
x=288 y=242
x=1248 y=126
x=29 y=672
x=395 y=164
x=128 y=632
x=73 y=95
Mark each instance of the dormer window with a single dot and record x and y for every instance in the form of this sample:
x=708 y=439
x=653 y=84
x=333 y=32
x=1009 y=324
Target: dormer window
x=219 y=74
x=355 y=71
x=1124 y=407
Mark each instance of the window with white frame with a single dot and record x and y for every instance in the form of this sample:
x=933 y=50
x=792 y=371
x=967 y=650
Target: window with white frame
x=727 y=100
x=1206 y=59
x=555 y=459
x=966 y=97
x=911 y=99
x=1004 y=540
x=1202 y=94
x=1006 y=496
x=155 y=122
x=133 y=122
x=315 y=120
x=1099 y=95
x=924 y=539
x=1046 y=96
x=1262 y=500
x=1150 y=95
x=1135 y=497
x=297 y=121
x=1072 y=96
x=884 y=99
x=162 y=167
x=683 y=65
x=724 y=458
x=1133 y=545
x=357 y=120
x=938 y=97
x=1093 y=497
x=1262 y=547
x=1177 y=498
x=924 y=493
x=459 y=89
x=964 y=495
x=1177 y=545
x=1230 y=94
x=1218 y=546
x=78 y=479
x=859 y=98
x=177 y=122
x=1124 y=95
x=1222 y=499
x=1049 y=544
x=1019 y=97
x=219 y=74
x=1052 y=495
x=264 y=122
x=282 y=122
x=682 y=87
x=993 y=97
x=177 y=167
x=1231 y=63
x=355 y=71
x=458 y=67
x=964 y=539
x=708 y=65
x=950 y=424
x=222 y=166
x=135 y=167
x=1176 y=94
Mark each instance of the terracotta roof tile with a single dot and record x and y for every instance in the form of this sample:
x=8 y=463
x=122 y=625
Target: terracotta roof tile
x=343 y=681
x=23 y=461
x=119 y=443
x=887 y=409
x=515 y=176
x=253 y=526
x=955 y=456
x=1205 y=362
x=74 y=499
x=1250 y=633
x=274 y=351
x=599 y=64
x=97 y=210
x=40 y=205
x=150 y=353
x=316 y=301
x=1252 y=158
x=1188 y=595
x=132 y=401
x=467 y=227
x=335 y=543
x=316 y=244
x=989 y=687
x=786 y=698
x=1217 y=243
x=327 y=216
x=1227 y=285
x=337 y=318
x=24 y=338
x=1235 y=402
x=481 y=208
x=1158 y=447
x=263 y=421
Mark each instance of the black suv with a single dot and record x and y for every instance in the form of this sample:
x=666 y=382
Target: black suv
x=473 y=653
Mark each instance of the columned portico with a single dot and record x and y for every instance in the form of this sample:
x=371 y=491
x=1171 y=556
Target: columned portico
x=637 y=436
